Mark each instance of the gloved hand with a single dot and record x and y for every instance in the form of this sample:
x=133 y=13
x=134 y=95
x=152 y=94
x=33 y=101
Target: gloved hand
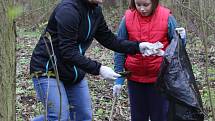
x=95 y=1
x=145 y=45
x=149 y=49
x=117 y=89
x=108 y=74
x=160 y=52
x=154 y=52
x=181 y=31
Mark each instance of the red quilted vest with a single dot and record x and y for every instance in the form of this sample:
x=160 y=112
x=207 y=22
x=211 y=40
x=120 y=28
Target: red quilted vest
x=150 y=29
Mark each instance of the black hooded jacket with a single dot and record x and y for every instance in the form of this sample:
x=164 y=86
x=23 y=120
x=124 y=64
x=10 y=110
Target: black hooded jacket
x=72 y=26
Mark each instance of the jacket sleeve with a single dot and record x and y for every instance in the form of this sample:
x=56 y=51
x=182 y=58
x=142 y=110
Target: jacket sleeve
x=172 y=24
x=67 y=28
x=119 y=58
x=105 y=37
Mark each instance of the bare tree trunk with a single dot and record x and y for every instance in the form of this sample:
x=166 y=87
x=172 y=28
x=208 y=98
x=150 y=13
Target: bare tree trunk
x=7 y=64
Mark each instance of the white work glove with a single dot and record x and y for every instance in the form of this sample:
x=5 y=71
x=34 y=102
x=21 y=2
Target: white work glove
x=157 y=52
x=117 y=89
x=148 y=49
x=160 y=52
x=181 y=31
x=95 y=1
x=145 y=45
x=108 y=74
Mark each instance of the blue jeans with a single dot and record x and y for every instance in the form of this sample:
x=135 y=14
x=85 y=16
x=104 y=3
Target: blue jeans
x=146 y=102
x=76 y=101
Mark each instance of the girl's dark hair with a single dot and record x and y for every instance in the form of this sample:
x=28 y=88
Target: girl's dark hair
x=154 y=4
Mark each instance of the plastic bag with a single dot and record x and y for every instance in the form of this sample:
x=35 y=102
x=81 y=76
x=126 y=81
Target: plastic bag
x=177 y=82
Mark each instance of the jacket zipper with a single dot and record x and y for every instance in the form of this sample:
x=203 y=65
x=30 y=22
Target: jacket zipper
x=80 y=49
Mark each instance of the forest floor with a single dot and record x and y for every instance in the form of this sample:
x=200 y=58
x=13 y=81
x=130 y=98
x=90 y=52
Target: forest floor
x=101 y=90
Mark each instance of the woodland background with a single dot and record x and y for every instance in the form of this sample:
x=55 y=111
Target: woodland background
x=27 y=19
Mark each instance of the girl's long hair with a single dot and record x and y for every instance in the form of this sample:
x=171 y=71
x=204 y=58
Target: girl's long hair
x=154 y=5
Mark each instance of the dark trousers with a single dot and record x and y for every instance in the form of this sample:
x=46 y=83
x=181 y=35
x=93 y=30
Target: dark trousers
x=146 y=102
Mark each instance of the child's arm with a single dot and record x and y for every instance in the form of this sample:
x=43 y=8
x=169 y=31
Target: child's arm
x=172 y=25
x=119 y=58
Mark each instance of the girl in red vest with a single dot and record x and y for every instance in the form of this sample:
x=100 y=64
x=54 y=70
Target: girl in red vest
x=146 y=21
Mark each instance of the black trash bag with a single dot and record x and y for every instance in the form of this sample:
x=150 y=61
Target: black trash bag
x=181 y=112
x=177 y=82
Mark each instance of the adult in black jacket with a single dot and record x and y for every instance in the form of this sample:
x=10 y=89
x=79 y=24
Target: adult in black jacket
x=72 y=26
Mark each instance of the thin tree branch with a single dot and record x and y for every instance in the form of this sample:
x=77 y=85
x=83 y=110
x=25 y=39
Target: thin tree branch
x=199 y=16
x=205 y=42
